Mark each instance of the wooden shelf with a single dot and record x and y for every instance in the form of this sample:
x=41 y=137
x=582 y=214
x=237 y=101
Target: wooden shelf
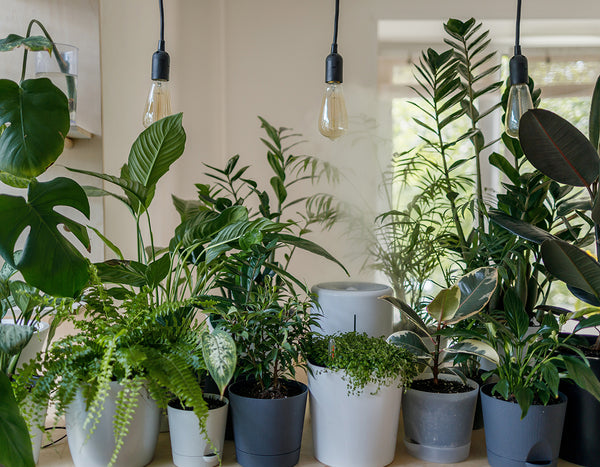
x=76 y=132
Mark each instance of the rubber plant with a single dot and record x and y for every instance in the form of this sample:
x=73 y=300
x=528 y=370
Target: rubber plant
x=560 y=151
x=450 y=306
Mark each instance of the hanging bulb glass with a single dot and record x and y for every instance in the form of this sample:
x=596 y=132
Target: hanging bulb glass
x=333 y=119
x=158 y=104
x=519 y=96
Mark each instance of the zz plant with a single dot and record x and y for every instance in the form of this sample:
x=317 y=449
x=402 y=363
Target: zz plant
x=463 y=300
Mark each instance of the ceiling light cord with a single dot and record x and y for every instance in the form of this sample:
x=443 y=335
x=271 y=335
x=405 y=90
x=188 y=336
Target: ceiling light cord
x=335 y=27
x=518 y=30
x=161 y=42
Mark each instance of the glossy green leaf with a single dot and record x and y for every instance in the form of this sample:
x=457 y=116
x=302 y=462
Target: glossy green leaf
x=551 y=377
x=25 y=296
x=558 y=149
x=502 y=387
x=476 y=290
x=582 y=375
x=158 y=270
x=499 y=161
x=524 y=398
x=32 y=43
x=476 y=347
x=15 y=443
x=519 y=227
x=443 y=307
x=14 y=337
x=408 y=312
x=220 y=357
x=411 y=341
x=49 y=261
x=514 y=312
x=311 y=247
x=572 y=265
x=186 y=208
x=12 y=180
x=590 y=322
x=155 y=149
x=594 y=122
x=39 y=119
x=122 y=272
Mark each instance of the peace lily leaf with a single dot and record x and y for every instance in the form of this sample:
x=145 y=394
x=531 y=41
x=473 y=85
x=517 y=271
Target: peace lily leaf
x=311 y=247
x=524 y=398
x=408 y=312
x=410 y=341
x=519 y=227
x=220 y=356
x=122 y=272
x=475 y=347
x=572 y=265
x=38 y=113
x=158 y=270
x=476 y=290
x=155 y=149
x=582 y=374
x=551 y=377
x=558 y=149
x=186 y=208
x=444 y=305
x=14 y=337
x=15 y=443
x=48 y=261
x=33 y=43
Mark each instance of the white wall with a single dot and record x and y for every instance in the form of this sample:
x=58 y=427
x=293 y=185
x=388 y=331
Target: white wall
x=235 y=59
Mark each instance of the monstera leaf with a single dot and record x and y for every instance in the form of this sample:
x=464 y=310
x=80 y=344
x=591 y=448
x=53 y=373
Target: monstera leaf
x=37 y=117
x=48 y=261
x=33 y=43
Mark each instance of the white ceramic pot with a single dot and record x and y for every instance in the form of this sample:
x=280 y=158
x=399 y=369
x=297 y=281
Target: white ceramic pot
x=353 y=430
x=97 y=449
x=189 y=446
x=34 y=417
x=349 y=306
x=35 y=344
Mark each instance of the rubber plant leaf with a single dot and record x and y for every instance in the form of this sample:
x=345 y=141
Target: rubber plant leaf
x=220 y=357
x=38 y=114
x=49 y=261
x=558 y=149
x=572 y=265
x=476 y=290
x=155 y=149
x=475 y=347
x=407 y=312
x=520 y=228
x=445 y=304
x=595 y=115
x=411 y=341
x=15 y=443
x=32 y=43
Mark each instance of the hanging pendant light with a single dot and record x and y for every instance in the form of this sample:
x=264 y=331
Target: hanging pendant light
x=333 y=119
x=519 y=96
x=158 y=104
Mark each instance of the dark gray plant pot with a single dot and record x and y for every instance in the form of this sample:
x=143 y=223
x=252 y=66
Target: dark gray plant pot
x=438 y=427
x=512 y=442
x=580 y=443
x=268 y=432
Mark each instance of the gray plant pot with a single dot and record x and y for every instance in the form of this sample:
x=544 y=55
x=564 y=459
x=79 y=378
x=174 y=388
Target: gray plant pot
x=512 y=442
x=268 y=432
x=438 y=427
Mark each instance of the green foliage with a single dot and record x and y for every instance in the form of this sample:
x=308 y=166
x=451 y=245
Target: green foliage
x=220 y=357
x=531 y=365
x=469 y=296
x=364 y=360
x=15 y=444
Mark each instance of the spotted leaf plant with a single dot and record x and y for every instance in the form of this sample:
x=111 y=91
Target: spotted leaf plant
x=220 y=357
x=464 y=299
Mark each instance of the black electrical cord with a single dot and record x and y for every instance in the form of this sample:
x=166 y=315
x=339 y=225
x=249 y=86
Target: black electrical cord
x=518 y=30
x=161 y=43
x=335 y=27
x=56 y=441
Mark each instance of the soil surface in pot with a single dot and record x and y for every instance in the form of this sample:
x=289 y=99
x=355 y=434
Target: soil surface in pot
x=443 y=386
x=212 y=404
x=536 y=399
x=252 y=389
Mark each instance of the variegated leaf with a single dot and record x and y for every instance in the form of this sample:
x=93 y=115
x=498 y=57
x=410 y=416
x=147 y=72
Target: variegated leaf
x=475 y=347
x=218 y=349
x=13 y=337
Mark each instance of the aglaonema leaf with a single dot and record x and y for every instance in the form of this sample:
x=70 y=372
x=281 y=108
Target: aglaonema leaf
x=15 y=443
x=48 y=261
x=14 y=337
x=220 y=357
x=38 y=114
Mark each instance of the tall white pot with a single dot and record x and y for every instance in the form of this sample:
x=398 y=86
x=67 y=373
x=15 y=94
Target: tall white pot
x=353 y=430
x=35 y=416
x=96 y=451
x=189 y=446
x=348 y=306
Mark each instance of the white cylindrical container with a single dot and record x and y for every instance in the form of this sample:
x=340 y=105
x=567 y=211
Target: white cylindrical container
x=95 y=450
x=353 y=430
x=188 y=445
x=354 y=306
x=35 y=417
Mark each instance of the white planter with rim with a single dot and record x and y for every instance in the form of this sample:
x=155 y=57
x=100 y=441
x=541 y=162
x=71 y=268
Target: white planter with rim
x=35 y=344
x=189 y=446
x=353 y=430
x=97 y=449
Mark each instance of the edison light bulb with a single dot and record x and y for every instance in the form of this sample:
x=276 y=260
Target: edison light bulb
x=519 y=102
x=159 y=103
x=333 y=121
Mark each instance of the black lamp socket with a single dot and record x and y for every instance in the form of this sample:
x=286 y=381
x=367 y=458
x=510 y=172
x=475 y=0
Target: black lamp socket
x=519 y=73
x=334 y=68
x=160 y=66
